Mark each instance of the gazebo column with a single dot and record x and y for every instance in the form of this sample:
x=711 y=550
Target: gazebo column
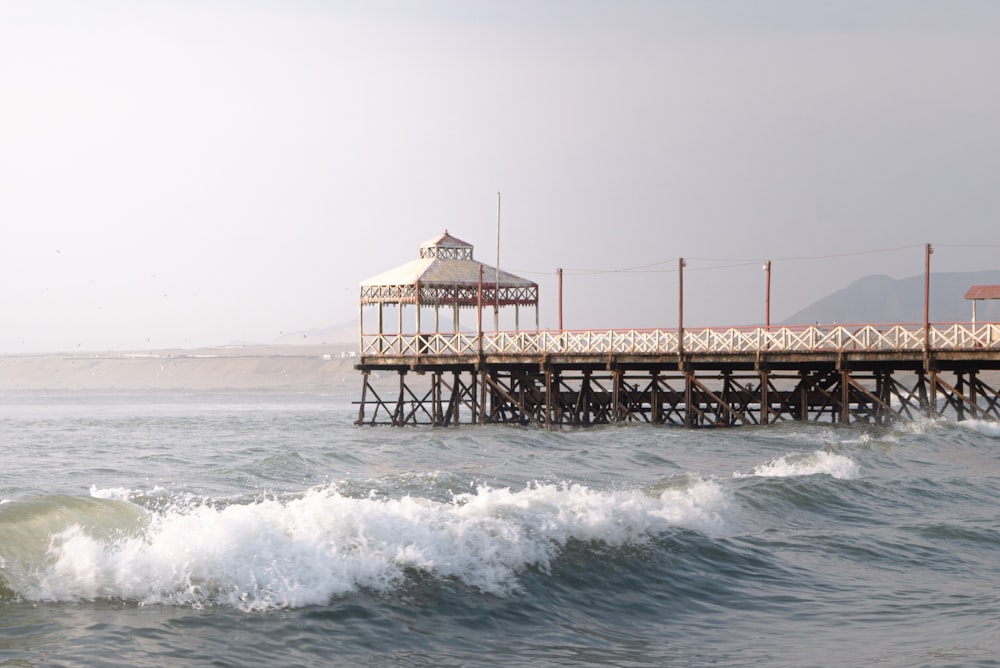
x=416 y=301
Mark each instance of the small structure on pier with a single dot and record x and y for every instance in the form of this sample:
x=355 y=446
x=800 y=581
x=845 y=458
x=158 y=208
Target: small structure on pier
x=445 y=275
x=978 y=292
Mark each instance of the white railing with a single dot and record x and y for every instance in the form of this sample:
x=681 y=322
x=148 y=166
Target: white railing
x=813 y=338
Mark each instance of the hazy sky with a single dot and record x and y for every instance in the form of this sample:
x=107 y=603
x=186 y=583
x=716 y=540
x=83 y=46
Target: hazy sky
x=186 y=173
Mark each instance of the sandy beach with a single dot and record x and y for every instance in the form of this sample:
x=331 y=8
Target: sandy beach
x=302 y=368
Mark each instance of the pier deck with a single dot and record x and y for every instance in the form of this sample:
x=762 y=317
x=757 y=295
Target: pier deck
x=712 y=377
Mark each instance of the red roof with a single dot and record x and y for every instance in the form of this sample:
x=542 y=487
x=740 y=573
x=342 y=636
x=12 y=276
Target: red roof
x=983 y=292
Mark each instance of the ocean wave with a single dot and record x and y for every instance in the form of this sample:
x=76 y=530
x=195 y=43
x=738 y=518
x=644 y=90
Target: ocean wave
x=26 y=527
x=982 y=427
x=271 y=553
x=813 y=463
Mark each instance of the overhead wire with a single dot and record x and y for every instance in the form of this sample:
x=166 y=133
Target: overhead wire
x=739 y=262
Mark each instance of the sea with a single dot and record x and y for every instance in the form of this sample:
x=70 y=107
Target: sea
x=250 y=529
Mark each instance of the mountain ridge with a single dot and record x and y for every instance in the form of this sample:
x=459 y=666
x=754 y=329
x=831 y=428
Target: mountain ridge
x=877 y=298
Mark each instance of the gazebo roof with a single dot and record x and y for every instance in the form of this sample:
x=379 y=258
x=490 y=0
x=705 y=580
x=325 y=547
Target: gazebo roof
x=443 y=274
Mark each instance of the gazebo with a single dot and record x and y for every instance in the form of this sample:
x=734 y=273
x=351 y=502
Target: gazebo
x=445 y=275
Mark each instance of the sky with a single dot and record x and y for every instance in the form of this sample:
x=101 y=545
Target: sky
x=194 y=173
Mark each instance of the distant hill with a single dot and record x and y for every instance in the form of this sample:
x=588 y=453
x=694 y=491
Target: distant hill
x=882 y=299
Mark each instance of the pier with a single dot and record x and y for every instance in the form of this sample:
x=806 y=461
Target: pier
x=872 y=374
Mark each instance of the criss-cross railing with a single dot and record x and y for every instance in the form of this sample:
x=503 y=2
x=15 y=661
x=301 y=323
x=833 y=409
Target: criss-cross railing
x=812 y=338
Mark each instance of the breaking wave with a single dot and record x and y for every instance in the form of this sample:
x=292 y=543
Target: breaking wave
x=284 y=553
x=814 y=463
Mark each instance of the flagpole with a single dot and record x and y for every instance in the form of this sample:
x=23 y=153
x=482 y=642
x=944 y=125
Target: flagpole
x=496 y=287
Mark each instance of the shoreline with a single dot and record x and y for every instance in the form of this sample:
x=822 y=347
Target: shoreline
x=298 y=368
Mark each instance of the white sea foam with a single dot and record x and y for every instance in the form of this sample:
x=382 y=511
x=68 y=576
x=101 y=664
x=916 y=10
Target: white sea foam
x=984 y=427
x=117 y=493
x=819 y=462
x=274 y=554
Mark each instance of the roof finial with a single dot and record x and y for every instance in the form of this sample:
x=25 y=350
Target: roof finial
x=446 y=230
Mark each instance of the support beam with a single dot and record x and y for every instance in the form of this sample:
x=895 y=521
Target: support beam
x=574 y=395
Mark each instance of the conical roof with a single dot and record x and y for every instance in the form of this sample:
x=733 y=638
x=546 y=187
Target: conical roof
x=445 y=263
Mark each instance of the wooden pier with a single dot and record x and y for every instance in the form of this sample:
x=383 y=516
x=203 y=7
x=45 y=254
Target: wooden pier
x=720 y=377
x=716 y=377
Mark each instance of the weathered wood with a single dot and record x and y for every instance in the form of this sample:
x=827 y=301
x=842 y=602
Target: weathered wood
x=553 y=391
